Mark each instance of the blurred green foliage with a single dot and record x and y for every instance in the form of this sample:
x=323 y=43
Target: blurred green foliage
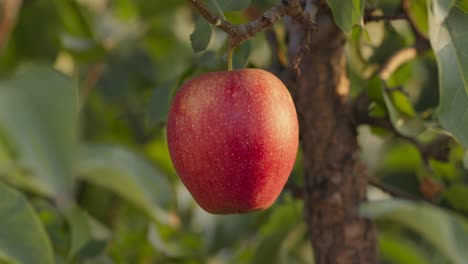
x=86 y=174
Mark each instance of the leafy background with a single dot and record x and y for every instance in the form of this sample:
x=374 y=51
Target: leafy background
x=84 y=167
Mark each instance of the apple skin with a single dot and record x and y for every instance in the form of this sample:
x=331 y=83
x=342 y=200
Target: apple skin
x=233 y=139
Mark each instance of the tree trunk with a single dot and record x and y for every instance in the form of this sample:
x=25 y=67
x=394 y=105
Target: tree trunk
x=335 y=179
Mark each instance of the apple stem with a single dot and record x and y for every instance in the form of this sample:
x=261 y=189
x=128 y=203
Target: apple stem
x=229 y=57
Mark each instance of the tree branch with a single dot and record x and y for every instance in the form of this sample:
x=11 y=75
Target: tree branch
x=311 y=11
x=436 y=149
x=362 y=103
x=242 y=32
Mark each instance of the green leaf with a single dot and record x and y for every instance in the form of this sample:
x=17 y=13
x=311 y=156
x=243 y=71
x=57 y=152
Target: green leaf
x=4 y=259
x=233 y=5
x=84 y=231
x=395 y=248
x=463 y=5
x=78 y=36
x=465 y=159
x=80 y=230
x=44 y=35
x=148 y=9
x=128 y=175
x=241 y=55
x=159 y=103
x=94 y=251
x=457 y=196
x=209 y=60
x=201 y=35
x=456 y=27
x=446 y=232
x=39 y=116
x=417 y=11
x=393 y=41
x=54 y=223
x=22 y=237
x=402 y=75
x=404 y=123
x=280 y=234
x=448 y=39
x=347 y=13
x=441 y=9
x=175 y=243
x=402 y=103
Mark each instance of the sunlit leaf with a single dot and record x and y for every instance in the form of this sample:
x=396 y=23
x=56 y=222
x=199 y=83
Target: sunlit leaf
x=418 y=15
x=39 y=116
x=128 y=175
x=448 y=39
x=441 y=9
x=401 y=101
x=22 y=237
x=347 y=13
x=456 y=26
x=446 y=232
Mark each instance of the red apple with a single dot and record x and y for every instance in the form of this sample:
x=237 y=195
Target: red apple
x=233 y=139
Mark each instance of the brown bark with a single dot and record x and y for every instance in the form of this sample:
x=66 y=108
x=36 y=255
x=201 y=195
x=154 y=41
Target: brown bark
x=335 y=179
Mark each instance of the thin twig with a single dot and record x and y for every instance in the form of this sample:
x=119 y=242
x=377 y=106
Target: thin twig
x=376 y=18
x=91 y=80
x=395 y=192
x=304 y=49
x=311 y=11
x=392 y=190
x=436 y=149
x=242 y=32
x=396 y=60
